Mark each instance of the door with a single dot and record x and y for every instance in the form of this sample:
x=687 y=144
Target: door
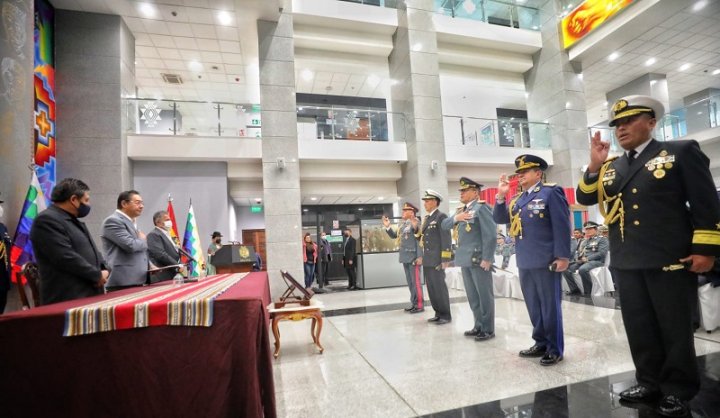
x=256 y=238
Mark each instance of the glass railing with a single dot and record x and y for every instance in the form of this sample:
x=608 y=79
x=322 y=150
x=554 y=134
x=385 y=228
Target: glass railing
x=510 y=132
x=380 y=3
x=503 y=13
x=343 y=123
x=699 y=116
x=192 y=118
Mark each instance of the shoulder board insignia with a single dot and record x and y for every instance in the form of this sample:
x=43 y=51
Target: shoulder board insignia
x=550 y=184
x=537 y=189
x=612 y=159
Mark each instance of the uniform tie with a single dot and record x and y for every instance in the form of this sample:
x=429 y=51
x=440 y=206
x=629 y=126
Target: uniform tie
x=631 y=155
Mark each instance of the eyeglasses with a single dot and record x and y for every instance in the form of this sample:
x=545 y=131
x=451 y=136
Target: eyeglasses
x=136 y=202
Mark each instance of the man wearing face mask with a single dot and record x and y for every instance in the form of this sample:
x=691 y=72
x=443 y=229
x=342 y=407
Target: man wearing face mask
x=5 y=245
x=69 y=262
x=161 y=248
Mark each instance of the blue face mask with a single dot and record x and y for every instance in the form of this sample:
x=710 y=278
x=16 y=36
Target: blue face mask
x=83 y=210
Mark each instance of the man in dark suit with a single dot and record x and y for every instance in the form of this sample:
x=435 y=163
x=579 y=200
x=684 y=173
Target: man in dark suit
x=69 y=263
x=5 y=270
x=655 y=186
x=161 y=248
x=436 y=257
x=539 y=219
x=124 y=244
x=350 y=259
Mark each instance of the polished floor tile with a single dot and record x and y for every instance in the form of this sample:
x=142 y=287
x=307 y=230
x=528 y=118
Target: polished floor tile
x=380 y=361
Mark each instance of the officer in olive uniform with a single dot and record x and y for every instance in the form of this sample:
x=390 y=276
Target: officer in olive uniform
x=409 y=253
x=539 y=219
x=476 y=232
x=660 y=204
x=592 y=255
x=436 y=256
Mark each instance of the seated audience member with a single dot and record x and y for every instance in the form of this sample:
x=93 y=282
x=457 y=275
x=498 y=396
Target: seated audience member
x=69 y=263
x=161 y=248
x=592 y=255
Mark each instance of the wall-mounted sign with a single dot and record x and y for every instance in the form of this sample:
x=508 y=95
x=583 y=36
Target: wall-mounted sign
x=587 y=16
x=255 y=209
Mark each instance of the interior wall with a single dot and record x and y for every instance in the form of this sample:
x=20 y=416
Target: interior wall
x=247 y=220
x=203 y=182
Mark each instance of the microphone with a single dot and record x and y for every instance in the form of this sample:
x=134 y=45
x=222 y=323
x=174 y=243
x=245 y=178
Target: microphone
x=185 y=253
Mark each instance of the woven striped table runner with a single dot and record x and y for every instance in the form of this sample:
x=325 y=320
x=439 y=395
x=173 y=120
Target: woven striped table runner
x=190 y=304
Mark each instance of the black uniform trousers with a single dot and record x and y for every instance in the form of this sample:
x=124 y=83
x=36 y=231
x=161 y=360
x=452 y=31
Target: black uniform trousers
x=438 y=292
x=657 y=311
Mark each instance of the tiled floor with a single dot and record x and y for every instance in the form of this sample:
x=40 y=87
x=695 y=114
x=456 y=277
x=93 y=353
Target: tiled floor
x=383 y=362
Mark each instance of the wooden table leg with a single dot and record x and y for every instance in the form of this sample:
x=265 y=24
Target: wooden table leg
x=316 y=337
x=276 y=333
x=312 y=329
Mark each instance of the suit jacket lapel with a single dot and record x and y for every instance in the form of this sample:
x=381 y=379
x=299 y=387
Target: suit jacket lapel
x=129 y=224
x=649 y=152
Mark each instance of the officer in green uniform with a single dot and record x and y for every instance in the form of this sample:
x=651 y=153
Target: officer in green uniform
x=476 y=242
x=660 y=204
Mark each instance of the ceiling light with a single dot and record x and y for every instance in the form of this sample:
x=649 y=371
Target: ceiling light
x=360 y=209
x=313 y=198
x=195 y=66
x=613 y=56
x=605 y=103
x=417 y=47
x=307 y=75
x=527 y=95
x=567 y=105
x=148 y=10
x=224 y=18
x=381 y=198
x=535 y=27
x=580 y=76
x=373 y=79
x=469 y=6
x=650 y=62
x=653 y=82
x=716 y=72
x=699 y=5
x=685 y=66
x=305 y=210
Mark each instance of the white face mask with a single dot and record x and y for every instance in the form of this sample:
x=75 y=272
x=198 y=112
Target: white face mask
x=168 y=225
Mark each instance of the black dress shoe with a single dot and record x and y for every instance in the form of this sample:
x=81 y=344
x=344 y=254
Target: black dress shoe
x=484 y=336
x=573 y=293
x=434 y=319
x=471 y=332
x=534 y=351
x=417 y=310
x=672 y=406
x=409 y=308
x=550 y=359
x=639 y=393
x=442 y=321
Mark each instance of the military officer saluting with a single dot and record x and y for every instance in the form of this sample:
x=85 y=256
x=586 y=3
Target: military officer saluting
x=592 y=254
x=655 y=186
x=436 y=256
x=410 y=253
x=539 y=219
x=476 y=232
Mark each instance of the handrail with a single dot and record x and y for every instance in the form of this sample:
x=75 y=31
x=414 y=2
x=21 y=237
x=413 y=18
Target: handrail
x=356 y=123
x=503 y=132
x=518 y=16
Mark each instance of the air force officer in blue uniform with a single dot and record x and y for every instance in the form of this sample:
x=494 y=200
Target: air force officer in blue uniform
x=476 y=232
x=539 y=220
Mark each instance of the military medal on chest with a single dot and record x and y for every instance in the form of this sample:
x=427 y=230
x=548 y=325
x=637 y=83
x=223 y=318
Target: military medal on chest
x=660 y=164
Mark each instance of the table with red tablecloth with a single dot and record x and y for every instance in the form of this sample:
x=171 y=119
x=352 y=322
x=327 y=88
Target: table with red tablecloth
x=218 y=371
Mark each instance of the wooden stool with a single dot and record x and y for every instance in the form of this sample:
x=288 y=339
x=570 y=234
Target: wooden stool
x=295 y=312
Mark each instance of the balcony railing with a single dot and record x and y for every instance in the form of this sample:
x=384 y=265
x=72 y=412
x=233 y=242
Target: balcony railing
x=699 y=116
x=343 y=123
x=511 y=132
x=381 y=3
x=192 y=118
x=504 y=13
